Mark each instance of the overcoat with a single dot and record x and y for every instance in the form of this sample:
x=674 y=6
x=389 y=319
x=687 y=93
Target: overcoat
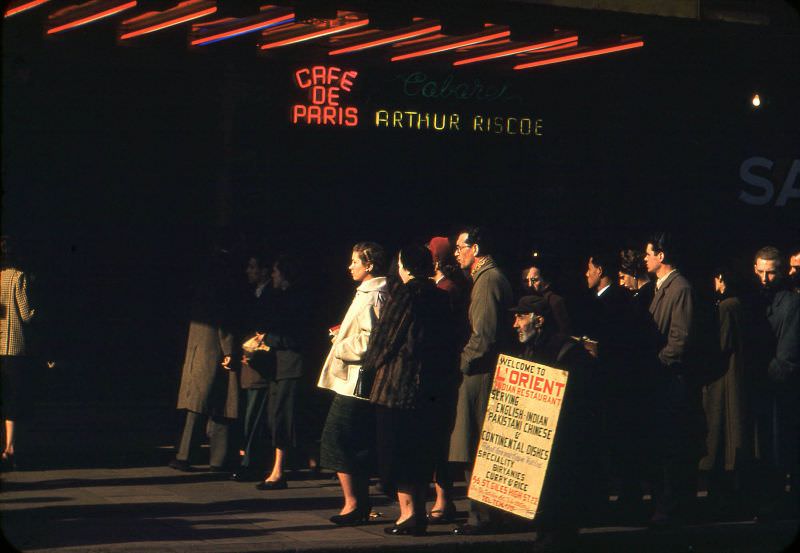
x=724 y=398
x=206 y=387
x=490 y=323
x=14 y=312
x=672 y=309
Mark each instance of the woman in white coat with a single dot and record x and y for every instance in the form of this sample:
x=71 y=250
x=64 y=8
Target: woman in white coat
x=348 y=435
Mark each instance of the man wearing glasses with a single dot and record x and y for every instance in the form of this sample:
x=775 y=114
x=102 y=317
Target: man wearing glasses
x=490 y=299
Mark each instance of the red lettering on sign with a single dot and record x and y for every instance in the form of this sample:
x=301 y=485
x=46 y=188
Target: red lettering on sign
x=324 y=85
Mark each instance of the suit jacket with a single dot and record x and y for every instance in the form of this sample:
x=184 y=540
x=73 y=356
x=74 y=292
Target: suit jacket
x=672 y=309
x=558 y=307
x=783 y=315
x=285 y=333
x=612 y=325
x=257 y=310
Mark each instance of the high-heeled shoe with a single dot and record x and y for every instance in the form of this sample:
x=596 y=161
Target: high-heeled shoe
x=443 y=516
x=273 y=485
x=409 y=527
x=353 y=518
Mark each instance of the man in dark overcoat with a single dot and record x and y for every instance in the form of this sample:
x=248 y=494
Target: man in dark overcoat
x=563 y=503
x=778 y=414
x=490 y=299
x=675 y=395
x=611 y=323
x=209 y=390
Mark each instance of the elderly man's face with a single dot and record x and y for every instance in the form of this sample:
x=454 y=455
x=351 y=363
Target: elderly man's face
x=525 y=325
x=465 y=254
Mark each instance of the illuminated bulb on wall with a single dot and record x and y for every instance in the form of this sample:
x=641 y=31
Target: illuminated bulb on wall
x=756 y=100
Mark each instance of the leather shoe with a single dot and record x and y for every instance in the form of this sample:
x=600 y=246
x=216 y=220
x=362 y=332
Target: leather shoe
x=409 y=527
x=353 y=518
x=182 y=466
x=472 y=530
x=276 y=485
x=443 y=516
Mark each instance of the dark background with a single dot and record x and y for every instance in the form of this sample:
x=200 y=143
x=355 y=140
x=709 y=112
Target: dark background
x=122 y=164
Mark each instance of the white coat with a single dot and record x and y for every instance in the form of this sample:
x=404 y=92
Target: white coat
x=340 y=371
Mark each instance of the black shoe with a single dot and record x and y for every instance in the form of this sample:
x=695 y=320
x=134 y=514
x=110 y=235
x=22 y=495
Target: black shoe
x=472 y=530
x=182 y=466
x=443 y=516
x=409 y=527
x=355 y=517
x=276 y=485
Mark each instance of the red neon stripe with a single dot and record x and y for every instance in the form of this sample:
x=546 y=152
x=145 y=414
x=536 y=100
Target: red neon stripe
x=354 y=35
x=385 y=40
x=24 y=7
x=579 y=55
x=253 y=27
x=517 y=50
x=484 y=45
x=556 y=48
x=315 y=34
x=92 y=18
x=166 y=24
x=447 y=47
x=407 y=43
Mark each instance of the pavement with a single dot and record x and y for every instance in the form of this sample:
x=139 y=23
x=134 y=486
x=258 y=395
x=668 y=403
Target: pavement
x=158 y=509
x=87 y=489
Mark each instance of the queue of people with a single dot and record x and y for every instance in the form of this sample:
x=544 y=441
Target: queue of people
x=663 y=389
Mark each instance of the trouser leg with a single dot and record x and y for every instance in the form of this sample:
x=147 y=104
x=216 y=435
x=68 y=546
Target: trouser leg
x=254 y=425
x=189 y=443
x=218 y=439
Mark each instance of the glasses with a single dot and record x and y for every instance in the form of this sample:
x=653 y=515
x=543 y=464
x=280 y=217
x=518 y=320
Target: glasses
x=460 y=247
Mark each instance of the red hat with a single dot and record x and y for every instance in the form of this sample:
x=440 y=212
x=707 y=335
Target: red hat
x=439 y=246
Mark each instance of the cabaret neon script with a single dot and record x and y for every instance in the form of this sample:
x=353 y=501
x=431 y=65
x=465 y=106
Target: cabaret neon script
x=325 y=86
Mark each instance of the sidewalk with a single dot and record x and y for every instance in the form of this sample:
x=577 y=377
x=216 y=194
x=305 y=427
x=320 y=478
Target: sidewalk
x=157 y=509
x=97 y=481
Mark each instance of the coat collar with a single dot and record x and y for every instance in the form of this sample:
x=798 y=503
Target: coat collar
x=372 y=285
x=668 y=280
x=490 y=264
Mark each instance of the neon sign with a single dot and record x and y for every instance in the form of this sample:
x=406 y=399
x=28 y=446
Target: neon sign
x=324 y=85
x=485 y=124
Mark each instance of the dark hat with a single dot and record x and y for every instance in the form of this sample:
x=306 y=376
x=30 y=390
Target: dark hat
x=532 y=304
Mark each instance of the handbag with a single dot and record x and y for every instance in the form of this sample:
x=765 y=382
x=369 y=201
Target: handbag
x=366 y=378
x=259 y=357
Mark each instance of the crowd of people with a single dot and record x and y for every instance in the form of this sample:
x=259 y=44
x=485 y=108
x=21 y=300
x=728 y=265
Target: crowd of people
x=664 y=392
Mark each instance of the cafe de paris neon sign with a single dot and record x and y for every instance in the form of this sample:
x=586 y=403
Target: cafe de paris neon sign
x=326 y=85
